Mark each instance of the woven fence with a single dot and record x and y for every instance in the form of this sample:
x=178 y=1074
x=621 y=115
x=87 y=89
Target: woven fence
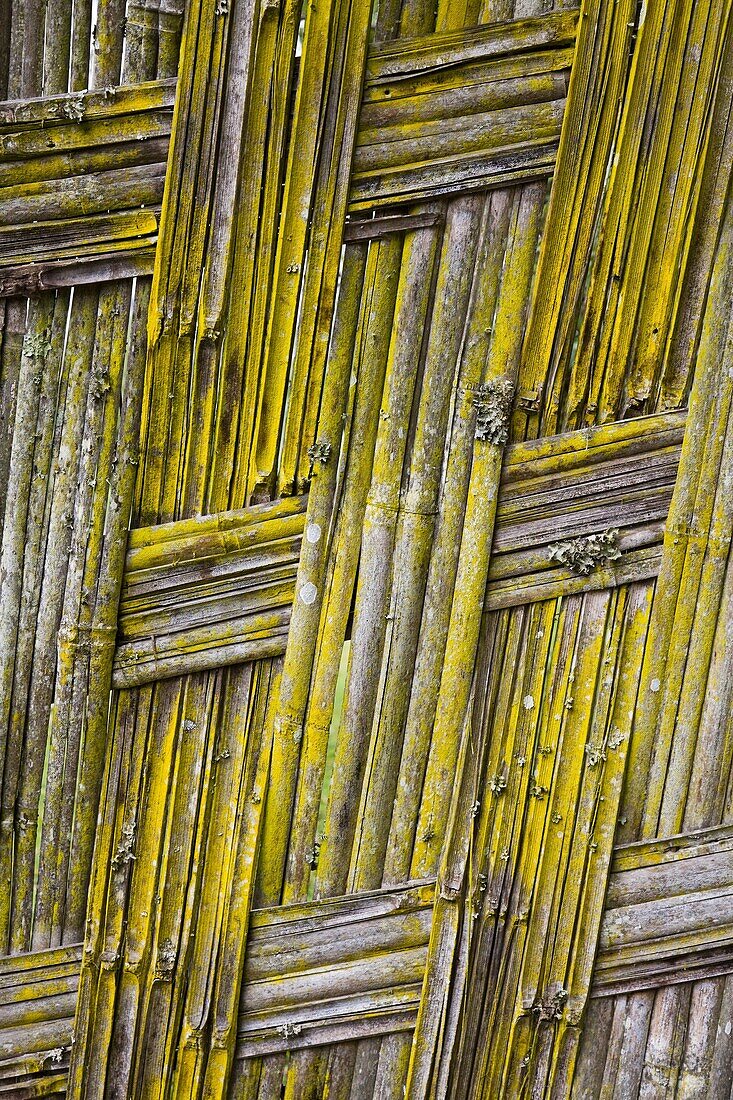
x=366 y=443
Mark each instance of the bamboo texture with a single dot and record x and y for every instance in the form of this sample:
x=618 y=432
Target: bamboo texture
x=71 y=382
x=81 y=180
x=364 y=647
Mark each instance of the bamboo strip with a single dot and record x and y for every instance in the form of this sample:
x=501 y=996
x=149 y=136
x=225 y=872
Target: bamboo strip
x=588 y=133
x=671 y=56
x=118 y=507
x=78 y=352
x=444 y=137
x=23 y=118
x=528 y=159
x=81 y=45
x=412 y=531
x=462 y=637
x=27 y=794
x=434 y=627
x=169 y=330
x=455 y=41
x=331 y=603
x=26 y=811
x=389 y=114
x=57 y=46
x=74 y=639
x=684 y=649
x=263 y=155
x=107 y=49
x=36 y=349
x=337 y=136
x=13 y=331
x=372 y=604
x=242 y=71
x=694 y=507
x=121 y=245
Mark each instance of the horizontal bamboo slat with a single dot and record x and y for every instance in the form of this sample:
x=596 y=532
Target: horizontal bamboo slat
x=619 y=477
x=214 y=591
x=208 y=592
x=464 y=110
x=334 y=970
x=81 y=183
x=669 y=912
x=37 y=1003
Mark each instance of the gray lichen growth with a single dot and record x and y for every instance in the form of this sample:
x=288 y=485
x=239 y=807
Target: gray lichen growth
x=74 y=109
x=493 y=403
x=320 y=451
x=125 y=852
x=36 y=346
x=584 y=554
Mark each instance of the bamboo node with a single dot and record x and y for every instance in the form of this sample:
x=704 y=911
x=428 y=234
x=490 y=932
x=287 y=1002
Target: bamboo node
x=551 y=1008
x=584 y=554
x=493 y=403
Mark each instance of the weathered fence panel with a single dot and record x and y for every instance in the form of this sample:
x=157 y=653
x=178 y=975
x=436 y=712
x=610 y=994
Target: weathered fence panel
x=365 y=659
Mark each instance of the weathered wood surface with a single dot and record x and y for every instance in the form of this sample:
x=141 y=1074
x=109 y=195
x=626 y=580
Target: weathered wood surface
x=37 y=1004
x=669 y=912
x=208 y=592
x=483 y=384
x=462 y=111
x=81 y=182
x=214 y=591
